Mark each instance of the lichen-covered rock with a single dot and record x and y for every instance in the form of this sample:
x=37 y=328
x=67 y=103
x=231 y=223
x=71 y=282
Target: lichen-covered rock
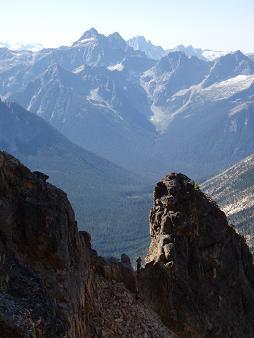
x=199 y=275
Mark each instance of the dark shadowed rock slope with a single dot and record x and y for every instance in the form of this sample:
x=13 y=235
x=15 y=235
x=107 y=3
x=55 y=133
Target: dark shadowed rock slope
x=52 y=284
x=199 y=278
x=200 y=275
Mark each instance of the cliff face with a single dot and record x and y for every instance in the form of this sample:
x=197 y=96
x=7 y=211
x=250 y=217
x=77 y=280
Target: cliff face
x=52 y=284
x=200 y=276
x=198 y=280
x=44 y=260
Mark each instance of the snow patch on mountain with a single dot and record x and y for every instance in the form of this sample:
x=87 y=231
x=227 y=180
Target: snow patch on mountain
x=119 y=67
x=203 y=54
x=84 y=42
x=95 y=96
x=160 y=119
x=163 y=116
x=211 y=55
x=96 y=99
x=225 y=89
x=79 y=69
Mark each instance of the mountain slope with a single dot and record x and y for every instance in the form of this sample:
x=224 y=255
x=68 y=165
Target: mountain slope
x=233 y=189
x=251 y=56
x=100 y=191
x=101 y=50
x=172 y=73
x=93 y=49
x=229 y=66
x=92 y=102
x=201 y=123
x=145 y=115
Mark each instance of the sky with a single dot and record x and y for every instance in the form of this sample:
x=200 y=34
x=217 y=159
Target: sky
x=212 y=24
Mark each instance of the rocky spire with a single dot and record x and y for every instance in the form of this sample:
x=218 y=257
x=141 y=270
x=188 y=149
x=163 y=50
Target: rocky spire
x=200 y=276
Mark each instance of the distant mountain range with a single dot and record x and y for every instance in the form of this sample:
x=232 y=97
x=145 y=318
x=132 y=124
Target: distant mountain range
x=157 y=52
x=21 y=46
x=104 y=195
x=138 y=43
x=131 y=110
x=147 y=116
x=233 y=189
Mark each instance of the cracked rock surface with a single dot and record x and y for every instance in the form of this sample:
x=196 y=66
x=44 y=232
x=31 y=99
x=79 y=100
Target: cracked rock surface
x=199 y=275
x=52 y=284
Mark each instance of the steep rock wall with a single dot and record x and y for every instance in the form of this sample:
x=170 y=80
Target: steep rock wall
x=199 y=275
x=52 y=284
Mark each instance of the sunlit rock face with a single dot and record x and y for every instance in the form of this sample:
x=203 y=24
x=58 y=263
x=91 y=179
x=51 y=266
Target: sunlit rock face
x=233 y=189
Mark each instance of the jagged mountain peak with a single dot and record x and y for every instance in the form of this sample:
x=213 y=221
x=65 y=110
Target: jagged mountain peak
x=189 y=51
x=116 y=36
x=229 y=66
x=181 y=56
x=170 y=61
x=236 y=56
x=141 y=43
x=203 y=54
x=88 y=36
x=139 y=40
x=185 y=49
x=100 y=50
x=117 y=41
x=91 y=33
x=177 y=60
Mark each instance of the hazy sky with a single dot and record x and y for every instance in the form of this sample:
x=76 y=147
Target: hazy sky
x=214 y=24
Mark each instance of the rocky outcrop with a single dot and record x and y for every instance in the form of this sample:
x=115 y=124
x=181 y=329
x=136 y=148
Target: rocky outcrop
x=44 y=260
x=52 y=284
x=198 y=280
x=199 y=275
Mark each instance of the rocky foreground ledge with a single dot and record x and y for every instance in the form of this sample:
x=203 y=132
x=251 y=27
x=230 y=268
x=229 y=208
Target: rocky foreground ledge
x=198 y=280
